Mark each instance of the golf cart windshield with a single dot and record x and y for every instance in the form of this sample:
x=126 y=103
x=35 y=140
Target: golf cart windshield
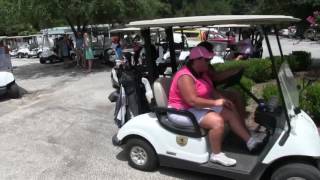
x=289 y=88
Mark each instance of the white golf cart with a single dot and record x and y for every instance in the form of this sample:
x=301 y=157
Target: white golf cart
x=292 y=147
x=51 y=46
x=8 y=86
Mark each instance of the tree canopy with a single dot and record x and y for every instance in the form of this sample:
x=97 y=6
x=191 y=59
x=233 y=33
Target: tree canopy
x=28 y=16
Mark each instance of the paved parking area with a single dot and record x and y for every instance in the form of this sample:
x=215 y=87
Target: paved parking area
x=62 y=127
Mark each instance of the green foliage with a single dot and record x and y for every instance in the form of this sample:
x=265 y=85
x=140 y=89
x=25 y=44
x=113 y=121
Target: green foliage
x=300 y=60
x=248 y=84
x=270 y=90
x=260 y=70
x=310 y=101
x=256 y=69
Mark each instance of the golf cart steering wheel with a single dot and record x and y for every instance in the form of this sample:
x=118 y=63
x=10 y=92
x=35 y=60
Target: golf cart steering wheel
x=234 y=78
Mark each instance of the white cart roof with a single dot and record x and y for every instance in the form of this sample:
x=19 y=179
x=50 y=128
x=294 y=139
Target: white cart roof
x=125 y=30
x=214 y=20
x=133 y=29
x=231 y=26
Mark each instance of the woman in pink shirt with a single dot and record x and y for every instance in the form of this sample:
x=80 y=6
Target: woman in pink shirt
x=192 y=90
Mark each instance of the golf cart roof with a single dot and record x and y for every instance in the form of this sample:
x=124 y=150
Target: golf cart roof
x=3 y=37
x=215 y=19
x=231 y=26
x=132 y=29
x=125 y=30
x=19 y=37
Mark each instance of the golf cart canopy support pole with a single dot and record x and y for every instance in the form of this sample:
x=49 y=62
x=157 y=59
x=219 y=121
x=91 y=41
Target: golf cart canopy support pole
x=169 y=33
x=286 y=135
x=278 y=41
x=151 y=65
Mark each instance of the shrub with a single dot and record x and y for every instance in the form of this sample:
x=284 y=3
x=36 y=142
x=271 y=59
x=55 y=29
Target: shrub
x=269 y=91
x=248 y=84
x=259 y=70
x=300 y=60
x=310 y=101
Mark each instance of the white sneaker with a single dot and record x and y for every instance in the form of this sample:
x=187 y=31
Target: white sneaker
x=255 y=141
x=259 y=137
x=222 y=159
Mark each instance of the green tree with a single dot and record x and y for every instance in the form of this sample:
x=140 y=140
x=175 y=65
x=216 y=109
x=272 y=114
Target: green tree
x=203 y=7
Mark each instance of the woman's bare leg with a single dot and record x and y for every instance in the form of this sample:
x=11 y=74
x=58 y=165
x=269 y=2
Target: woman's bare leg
x=236 y=124
x=215 y=123
x=89 y=65
x=238 y=101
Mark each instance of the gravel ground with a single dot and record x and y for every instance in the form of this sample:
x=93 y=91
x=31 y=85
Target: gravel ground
x=62 y=126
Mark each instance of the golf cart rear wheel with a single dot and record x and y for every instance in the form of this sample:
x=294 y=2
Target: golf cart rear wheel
x=296 y=171
x=141 y=155
x=14 y=91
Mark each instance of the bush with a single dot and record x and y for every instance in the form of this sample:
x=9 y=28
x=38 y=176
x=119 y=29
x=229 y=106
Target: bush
x=300 y=60
x=259 y=70
x=269 y=91
x=248 y=84
x=310 y=101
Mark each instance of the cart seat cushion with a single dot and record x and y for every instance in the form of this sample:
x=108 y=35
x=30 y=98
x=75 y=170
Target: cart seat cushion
x=180 y=127
x=161 y=89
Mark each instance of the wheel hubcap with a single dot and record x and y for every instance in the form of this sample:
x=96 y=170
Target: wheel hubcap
x=138 y=155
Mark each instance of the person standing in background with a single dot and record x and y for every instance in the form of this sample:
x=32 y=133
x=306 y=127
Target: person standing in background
x=5 y=61
x=79 y=49
x=88 y=51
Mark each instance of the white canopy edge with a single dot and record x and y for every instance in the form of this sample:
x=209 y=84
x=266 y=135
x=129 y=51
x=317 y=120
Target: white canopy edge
x=125 y=30
x=214 y=20
x=231 y=26
x=133 y=29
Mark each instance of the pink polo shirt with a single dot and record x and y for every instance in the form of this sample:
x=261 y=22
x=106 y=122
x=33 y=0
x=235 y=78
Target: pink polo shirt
x=204 y=89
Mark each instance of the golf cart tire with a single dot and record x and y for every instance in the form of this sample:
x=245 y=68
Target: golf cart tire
x=152 y=158
x=42 y=61
x=14 y=91
x=304 y=171
x=20 y=55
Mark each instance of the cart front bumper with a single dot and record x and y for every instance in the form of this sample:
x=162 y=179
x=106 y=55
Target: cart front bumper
x=115 y=140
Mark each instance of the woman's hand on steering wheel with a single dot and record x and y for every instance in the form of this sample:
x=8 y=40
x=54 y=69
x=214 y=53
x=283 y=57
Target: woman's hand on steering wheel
x=224 y=102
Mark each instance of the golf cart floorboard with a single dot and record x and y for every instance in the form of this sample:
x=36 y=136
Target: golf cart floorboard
x=245 y=164
x=236 y=148
x=233 y=147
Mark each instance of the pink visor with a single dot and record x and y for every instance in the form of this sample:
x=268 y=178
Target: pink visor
x=200 y=52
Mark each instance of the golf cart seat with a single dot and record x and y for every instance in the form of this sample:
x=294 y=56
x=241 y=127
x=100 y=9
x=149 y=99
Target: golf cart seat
x=161 y=89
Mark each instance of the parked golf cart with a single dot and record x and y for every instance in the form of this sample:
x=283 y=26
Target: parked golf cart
x=50 y=49
x=292 y=147
x=8 y=86
x=28 y=52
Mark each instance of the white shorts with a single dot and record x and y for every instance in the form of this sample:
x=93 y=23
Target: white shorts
x=197 y=112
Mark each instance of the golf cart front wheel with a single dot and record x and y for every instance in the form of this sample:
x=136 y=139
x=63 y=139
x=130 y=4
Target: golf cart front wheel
x=42 y=61
x=14 y=91
x=141 y=155
x=296 y=171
